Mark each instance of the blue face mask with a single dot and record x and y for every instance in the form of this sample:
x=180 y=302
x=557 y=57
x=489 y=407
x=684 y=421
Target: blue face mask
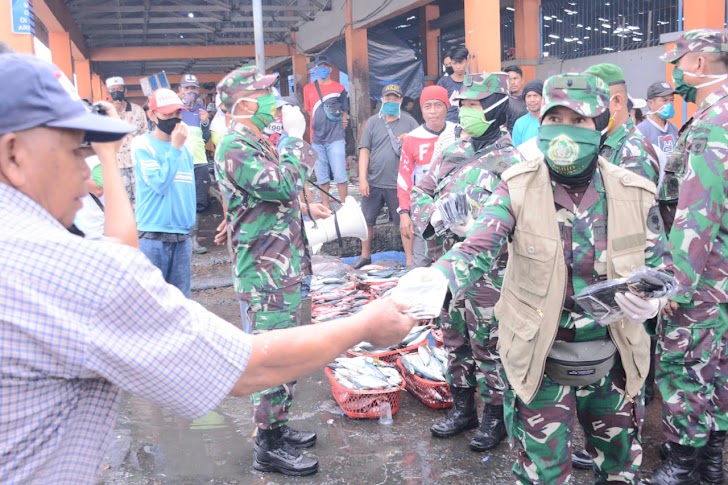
x=390 y=108
x=322 y=72
x=666 y=112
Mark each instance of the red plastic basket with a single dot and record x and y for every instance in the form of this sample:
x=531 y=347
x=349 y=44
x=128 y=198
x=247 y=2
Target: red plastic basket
x=434 y=395
x=437 y=335
x=361 y=403
x=390 y=356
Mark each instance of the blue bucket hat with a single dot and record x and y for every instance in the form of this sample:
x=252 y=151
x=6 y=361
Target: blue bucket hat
x=43 y=96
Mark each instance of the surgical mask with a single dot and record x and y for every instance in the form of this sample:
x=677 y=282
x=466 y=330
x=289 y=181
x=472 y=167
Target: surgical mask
x=666 y=112
x=265 y=113
x=189 y=99
x=390 y=108
x=449 y=70
x=322 y=72
x=568 y=150
x=473 y=120
x=117 y=95
x=688 y=92
x=167 y=126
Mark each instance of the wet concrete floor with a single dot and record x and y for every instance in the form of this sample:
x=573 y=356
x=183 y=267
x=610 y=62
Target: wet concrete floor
x=152 y=446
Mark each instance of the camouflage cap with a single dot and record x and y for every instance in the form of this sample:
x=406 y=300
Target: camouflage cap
x=243 y=79
x=698 y=40
x=609 y=73
x=480 y=86
x=586 y=94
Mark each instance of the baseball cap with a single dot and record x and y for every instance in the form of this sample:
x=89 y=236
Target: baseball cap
x=189 y=80
x=115 y=81
x=392 y=89
x=322 y=59
x=480 y=86
x=44 y=96
x=165 y=101
x=659 y=88
x=585 y=94
x=243 y=79
x=637 y=103
x=286 y=100
x=698 y=40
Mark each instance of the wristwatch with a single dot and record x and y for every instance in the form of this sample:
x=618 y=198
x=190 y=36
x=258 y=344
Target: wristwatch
x=403 y=211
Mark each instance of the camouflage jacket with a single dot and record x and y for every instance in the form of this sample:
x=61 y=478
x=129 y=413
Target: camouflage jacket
x=134 y=115
x=699 y=236
x=628 y=148
x=263 y=211
x=583 y=231
x=460 y=170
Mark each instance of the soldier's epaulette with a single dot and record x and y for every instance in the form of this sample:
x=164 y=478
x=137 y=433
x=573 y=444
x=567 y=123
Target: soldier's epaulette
x=521 y=168
x=626 y=177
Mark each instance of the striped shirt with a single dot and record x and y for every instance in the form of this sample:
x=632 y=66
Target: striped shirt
x=79 y=321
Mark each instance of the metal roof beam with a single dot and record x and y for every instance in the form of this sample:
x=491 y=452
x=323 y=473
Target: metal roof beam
x=57 y=18
x=112 y=54
x=89 y=24
x=86 y=11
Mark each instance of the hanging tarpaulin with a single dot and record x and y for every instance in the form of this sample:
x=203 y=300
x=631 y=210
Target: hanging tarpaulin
x=391 y=60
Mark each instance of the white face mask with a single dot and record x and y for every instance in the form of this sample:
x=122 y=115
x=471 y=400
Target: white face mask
x=716 y=78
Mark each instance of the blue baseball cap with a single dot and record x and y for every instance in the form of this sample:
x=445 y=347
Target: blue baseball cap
x=43 y=96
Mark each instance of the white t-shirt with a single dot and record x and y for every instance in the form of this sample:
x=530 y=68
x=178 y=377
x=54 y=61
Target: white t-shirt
x=90 y=219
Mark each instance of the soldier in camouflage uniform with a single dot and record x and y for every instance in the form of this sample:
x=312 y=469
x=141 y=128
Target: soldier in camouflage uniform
x=553 y=213
x=261 y=186
x=692 y=373
x=471 y=167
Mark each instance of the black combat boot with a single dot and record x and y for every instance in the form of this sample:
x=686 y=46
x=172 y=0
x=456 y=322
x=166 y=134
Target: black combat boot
x=274 y=454
x=492 y=429
x=711 y=458
x=680 y=467
x=462 y=416
x=298 y=439
x=582 y=460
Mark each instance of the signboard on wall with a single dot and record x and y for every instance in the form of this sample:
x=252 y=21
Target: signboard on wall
x=22 y=16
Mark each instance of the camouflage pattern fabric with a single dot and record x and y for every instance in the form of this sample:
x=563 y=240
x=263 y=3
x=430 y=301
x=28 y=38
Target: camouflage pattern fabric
x=691 y=373
x=541 y=432
x=264 y=213
x=587 y=95
x=270 y=407
x=698 y=40
x=629 y=149
x=468 y=331
x=699 y=236
x=242 y=80
x=480 y=86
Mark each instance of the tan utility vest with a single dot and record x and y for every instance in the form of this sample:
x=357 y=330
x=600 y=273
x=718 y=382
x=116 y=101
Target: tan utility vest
x=534 y=287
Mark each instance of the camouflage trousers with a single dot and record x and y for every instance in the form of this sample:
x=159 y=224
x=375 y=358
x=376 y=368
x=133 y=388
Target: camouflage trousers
x=692 y=373
x=129 y=181
x=541 y=432
x=470 y=334
x=273 y=312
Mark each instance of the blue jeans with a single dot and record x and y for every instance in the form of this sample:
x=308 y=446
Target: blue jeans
x=331 y=156
x=174 y=259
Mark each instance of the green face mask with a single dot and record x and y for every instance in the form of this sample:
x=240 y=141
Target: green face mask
x=685 y=90
x=568 y=149
x=473 y=121
x=265 y=114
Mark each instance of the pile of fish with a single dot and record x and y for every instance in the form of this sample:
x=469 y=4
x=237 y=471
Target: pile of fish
x=416 y=336
x=429 y=363
x=365 y=373
x=378 y=280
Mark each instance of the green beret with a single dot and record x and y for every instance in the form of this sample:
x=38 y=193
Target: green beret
x=609 y=73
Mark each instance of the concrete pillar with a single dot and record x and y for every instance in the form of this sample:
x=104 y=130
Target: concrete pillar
x=284 y=83
x=528 y=38
x=18 y=42
x=96 y=84
x=357 y=61
x=60 y=46
x=430 y=52
x=83 y=78
x=300 y=69
x=335 y=74
x=482 y=35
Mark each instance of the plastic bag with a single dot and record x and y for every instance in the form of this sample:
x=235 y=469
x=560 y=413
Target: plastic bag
x=425 y=294
x=598 y=300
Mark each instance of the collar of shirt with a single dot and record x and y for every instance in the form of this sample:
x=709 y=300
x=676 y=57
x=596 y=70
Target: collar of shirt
x=14 y=201
x=713 y=98
x=615 y=140
x=592 y=194
x=654 y=123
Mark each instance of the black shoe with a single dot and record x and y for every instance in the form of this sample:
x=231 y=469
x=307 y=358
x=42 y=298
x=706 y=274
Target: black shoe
x=711 y=458
x=680 y=467
x=492 y=429
x=298 y=439
x=274 y=454
x=361 y=262
x=462 y=416
x=582 y=460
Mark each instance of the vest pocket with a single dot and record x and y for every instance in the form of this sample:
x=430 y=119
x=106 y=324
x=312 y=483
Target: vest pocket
x=534 y=261
x=518 y=325
x=627 y=262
